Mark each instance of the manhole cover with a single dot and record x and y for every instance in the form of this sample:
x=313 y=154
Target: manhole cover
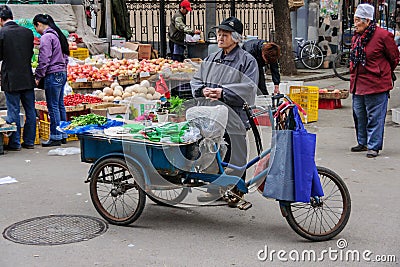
x=55 y=230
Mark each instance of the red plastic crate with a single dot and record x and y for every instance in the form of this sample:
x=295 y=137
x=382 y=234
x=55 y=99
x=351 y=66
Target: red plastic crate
x=262 y=120
x=329 y=103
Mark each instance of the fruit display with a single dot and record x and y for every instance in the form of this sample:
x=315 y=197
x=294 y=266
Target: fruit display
x=75 y=99
x=333 y=93
x=124 y=67
x=116 y=92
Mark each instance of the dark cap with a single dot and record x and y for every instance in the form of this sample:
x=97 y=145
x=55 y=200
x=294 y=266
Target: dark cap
x=231 y=24
x=185 y=4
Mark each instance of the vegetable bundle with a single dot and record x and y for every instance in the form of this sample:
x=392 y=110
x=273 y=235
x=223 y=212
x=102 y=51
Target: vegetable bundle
x=88 y=119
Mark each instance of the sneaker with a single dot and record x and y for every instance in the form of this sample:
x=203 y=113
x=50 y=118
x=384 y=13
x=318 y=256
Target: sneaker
x=51 y=143
x=27 y=146
x=64 y=141
x=9 y=148
x=372 y=153
x=359 y=148
x=208 y=197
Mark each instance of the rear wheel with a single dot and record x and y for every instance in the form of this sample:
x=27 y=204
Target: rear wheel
x=115 y=191
x=324 y=217
x=311 y=56
x=341 y=66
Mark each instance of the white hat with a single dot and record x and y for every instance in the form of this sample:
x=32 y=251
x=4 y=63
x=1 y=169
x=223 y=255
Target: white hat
x=365 y=11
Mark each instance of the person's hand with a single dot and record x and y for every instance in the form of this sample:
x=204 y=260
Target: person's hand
x=276 y=89
x=197 y=31
x=215 y=93
x=206 y=92
x=37 y=82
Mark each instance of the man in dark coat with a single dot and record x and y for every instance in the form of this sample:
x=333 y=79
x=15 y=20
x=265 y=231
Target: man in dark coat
x=265 y=53
x=17 y=81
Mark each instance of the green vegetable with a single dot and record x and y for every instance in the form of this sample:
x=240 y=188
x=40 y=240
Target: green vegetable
x=87 y=120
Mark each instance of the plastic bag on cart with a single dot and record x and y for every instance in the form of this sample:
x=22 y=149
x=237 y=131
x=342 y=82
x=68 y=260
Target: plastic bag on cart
x=211 y=121
x=88 y=128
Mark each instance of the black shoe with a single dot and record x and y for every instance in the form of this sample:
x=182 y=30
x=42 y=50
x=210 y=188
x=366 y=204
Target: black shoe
x=359 y=148
x=27 y=146
x=208 y=197
x=9 y=148
x=64 y=141
x=51 y=143
x=372 y=153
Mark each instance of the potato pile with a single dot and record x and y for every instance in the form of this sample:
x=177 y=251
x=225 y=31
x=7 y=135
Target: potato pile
x=116 y=92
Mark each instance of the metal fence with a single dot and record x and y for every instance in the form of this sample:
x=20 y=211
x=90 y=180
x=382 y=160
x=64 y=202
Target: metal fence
x=150 y=19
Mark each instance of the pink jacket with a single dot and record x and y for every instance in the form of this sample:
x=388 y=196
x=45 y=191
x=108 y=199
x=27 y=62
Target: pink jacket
x=382 y=57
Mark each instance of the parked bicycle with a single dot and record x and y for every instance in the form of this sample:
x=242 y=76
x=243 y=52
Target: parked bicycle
x=308 y=53
x=341 y=65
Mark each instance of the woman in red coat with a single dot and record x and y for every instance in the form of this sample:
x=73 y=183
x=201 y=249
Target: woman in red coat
x=374 y=57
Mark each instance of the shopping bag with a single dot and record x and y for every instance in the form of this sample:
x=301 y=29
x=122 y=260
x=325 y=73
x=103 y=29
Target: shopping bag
x=162 y=87
x=305 y=171
x=280 y=183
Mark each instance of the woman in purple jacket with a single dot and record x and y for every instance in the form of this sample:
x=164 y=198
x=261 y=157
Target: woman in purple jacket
x=52 y=69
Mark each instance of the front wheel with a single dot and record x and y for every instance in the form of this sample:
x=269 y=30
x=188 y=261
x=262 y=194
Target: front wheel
x=325 y=217
x=115 y=191
x=341 y=66
x=168 y=197
x=311 y=56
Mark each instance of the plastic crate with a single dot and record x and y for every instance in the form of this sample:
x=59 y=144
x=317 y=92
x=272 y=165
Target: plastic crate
x=80 y=53
x=329 y=103
x=44 y=115
x=307 y=97
x=396 y=115
x=182 y=90
x=262 y=120
x=44 y=132
x=37 y=139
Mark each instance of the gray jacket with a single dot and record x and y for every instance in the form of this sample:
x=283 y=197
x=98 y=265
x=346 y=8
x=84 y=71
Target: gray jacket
x=236 y=73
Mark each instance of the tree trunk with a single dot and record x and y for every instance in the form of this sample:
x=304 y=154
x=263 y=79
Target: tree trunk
x=283 y=36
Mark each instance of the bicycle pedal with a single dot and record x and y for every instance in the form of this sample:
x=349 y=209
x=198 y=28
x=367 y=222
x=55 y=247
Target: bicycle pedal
x=245 y=206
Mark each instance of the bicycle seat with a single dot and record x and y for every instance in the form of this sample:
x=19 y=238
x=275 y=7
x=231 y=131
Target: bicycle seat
x=299 y=39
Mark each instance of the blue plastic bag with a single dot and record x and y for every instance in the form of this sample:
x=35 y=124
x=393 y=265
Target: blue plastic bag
x=306 y=178
x=279 y=183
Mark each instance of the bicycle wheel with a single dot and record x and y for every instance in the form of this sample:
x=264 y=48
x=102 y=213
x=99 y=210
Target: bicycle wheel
x=115 y=191
x=311 y=56
x=168 y=197
x=341 y=66
x=321 y=220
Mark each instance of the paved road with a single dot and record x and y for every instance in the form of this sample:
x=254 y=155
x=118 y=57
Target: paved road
x=208 y=236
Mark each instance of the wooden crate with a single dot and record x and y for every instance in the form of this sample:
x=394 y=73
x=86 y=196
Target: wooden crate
x=77 y=85
x=100 y=84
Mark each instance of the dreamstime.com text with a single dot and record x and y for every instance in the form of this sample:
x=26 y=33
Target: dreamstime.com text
x=332 y=254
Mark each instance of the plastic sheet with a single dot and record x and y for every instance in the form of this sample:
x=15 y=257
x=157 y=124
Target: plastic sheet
x=88 y=128
x=63 y=151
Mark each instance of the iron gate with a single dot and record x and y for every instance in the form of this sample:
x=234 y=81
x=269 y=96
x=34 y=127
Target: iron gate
x=150 y=26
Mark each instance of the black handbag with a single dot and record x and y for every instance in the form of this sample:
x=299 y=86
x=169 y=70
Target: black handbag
x=393 y=76
x=41 y=84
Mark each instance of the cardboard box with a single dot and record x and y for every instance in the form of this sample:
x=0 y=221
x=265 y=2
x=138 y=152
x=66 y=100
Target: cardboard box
x=140 y=106
x=116 y=41
x=112 y=111
x=144 y=51
x=116 y=52
x=132 y=45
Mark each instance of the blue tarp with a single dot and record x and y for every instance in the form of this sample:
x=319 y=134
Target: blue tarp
x=89 y=128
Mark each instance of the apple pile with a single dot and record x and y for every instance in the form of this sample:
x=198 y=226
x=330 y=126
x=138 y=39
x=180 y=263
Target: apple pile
x=124 y=67
x=87 y=72
x=117 y=93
